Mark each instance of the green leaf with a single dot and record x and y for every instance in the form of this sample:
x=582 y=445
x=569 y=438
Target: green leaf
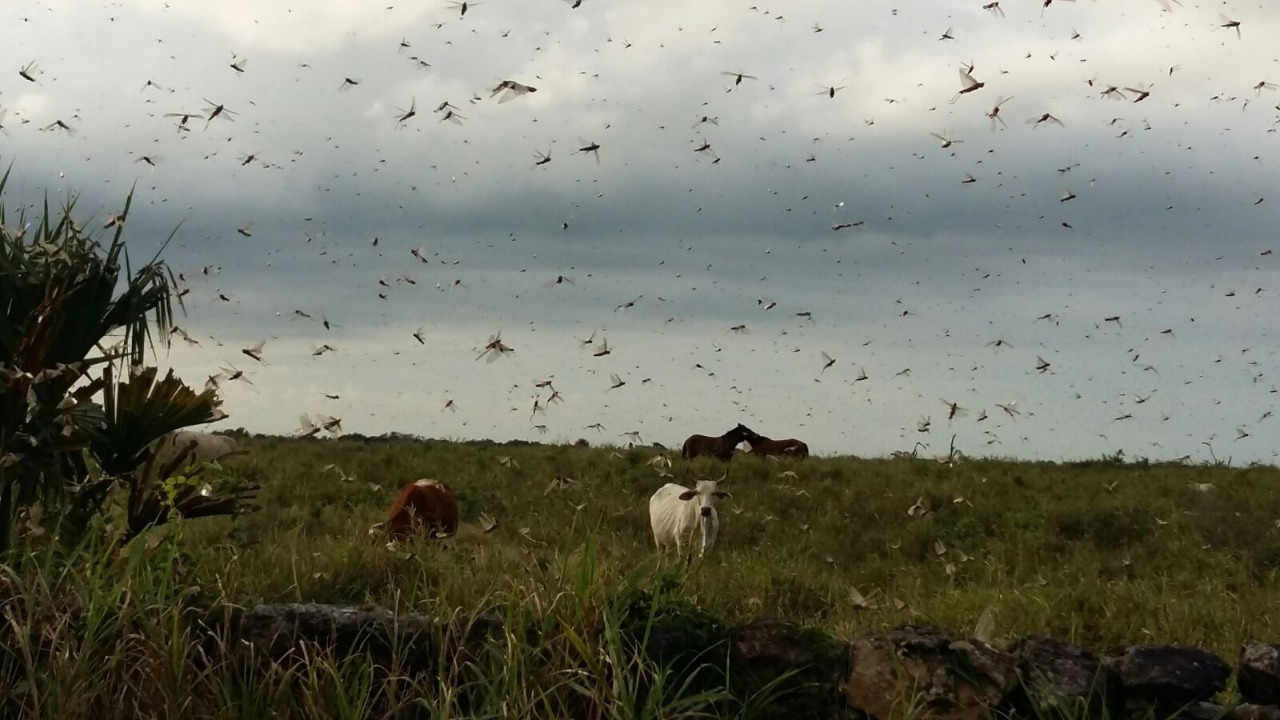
x=141 y=410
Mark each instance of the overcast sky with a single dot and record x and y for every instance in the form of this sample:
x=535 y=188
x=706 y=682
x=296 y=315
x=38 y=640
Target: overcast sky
x=930 y=274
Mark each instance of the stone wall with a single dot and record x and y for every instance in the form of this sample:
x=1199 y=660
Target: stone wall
x=914 y=671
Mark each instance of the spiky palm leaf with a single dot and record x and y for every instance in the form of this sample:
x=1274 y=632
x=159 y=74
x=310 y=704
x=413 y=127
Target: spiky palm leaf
x=65 y=309
x=65 y=284
x=190 y=499
x=140 y=410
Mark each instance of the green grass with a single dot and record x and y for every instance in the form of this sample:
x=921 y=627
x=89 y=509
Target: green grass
x=1051 y=548
x=1097 y=553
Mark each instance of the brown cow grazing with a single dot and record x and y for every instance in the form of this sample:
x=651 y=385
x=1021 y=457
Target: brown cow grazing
x=764 y=447
x=425 y=505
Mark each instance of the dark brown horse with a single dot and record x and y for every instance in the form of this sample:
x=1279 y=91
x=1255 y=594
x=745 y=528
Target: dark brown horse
x=721 y=447
x=764 y=447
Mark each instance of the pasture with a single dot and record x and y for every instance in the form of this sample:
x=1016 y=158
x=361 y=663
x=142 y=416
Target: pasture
x=1097 y=553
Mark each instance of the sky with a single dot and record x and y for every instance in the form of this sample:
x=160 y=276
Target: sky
x=840 y=246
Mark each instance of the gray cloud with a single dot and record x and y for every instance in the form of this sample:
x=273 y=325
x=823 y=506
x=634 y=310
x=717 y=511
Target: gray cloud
x=1165 y=223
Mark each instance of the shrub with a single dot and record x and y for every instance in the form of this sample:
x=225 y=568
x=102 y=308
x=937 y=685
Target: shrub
x=76 y=426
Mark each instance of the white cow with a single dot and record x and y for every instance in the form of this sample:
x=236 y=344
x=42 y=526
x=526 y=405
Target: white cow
x=678 y=513
x=208 y=447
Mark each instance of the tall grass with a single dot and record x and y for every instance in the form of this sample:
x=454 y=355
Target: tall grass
x=1095 y=553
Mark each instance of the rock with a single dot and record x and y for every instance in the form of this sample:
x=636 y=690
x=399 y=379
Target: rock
x=1057 y=677
x=1197 y=711
x=675 y=635
x=690 y=645
x=681 y=646
x=1255 y=712
x=997 y=668
x=413 y=640
x=1166 y=677
x=685 y=641
x=766 y=650
x=1214 y=711
x=918 y=666
x=1258 y=675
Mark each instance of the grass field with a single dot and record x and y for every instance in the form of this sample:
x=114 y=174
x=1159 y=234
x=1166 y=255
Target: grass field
x=1098 y=553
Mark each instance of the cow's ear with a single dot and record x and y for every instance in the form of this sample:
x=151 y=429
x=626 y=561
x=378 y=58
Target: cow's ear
x=722 y=494
x=688 y=494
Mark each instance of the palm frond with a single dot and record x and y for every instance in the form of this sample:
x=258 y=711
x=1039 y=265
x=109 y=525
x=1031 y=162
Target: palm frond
x=65 y=310
x=141 y=410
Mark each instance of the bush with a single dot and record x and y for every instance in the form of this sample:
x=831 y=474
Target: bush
x=79 y=413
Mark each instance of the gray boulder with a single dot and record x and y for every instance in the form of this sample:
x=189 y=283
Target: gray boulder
x=815 y=665
x=1165 y=678
x=1059 y=678
x=944 y=680
x=1258 y=674
x=414 y=641
x=1255 y=712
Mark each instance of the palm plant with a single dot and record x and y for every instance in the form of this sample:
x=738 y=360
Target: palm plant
x=72 y=314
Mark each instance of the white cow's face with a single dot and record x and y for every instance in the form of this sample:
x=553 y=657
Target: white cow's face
x=705 y=494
